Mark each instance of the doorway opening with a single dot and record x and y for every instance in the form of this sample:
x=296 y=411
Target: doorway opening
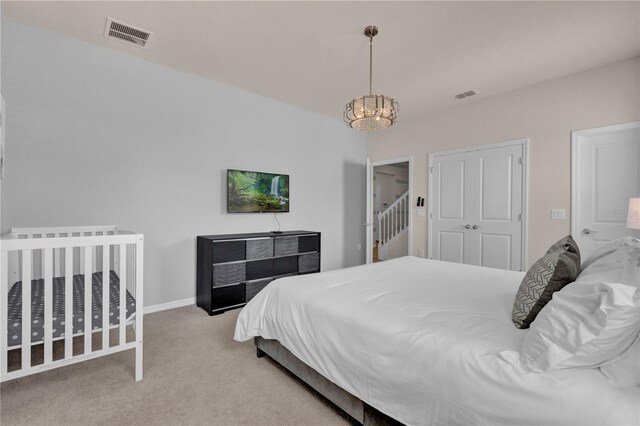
x=389 y=197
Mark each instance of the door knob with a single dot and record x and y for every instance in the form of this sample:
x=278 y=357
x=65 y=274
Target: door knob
x=586 y=231
x=475 y=227
x=467 y=226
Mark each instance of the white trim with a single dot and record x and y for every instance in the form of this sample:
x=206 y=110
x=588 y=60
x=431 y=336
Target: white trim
x=429 y=252
x=393 y=161
x=169 y=305
x=368 y=220
x=410 y=252
x=524 y=142
x=411 y=210
x=510 y=142
x=576 y=135
x=525 y=205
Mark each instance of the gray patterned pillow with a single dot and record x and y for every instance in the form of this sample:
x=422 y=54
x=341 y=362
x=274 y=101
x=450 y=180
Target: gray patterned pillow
x=557 y=268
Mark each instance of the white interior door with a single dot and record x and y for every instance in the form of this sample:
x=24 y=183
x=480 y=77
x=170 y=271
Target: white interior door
x=606 y=174
x=500 y=206
x=450 y=214
x=477 y=201
x=369 y=212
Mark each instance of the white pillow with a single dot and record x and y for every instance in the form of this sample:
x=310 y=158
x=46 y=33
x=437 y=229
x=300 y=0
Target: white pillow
x=625 y=370
x=618 y=261
x=582 y=326
x=591 y=321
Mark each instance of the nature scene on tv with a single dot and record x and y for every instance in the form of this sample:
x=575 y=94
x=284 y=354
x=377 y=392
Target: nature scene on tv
x=251 y=192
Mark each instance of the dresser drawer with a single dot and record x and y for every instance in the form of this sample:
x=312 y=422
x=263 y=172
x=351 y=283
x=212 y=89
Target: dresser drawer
x=309 y=262
x=257 y=269
x=286 y=246
x=228 y=251
x=253 y=287
x=227 y=296
x=285 y=265
x=260 y=248
x=308 y=243
x=228 y=273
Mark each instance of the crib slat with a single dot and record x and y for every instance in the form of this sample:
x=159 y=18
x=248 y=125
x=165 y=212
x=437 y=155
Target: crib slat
x=81 y=263
x=139 y=280
x=94 y=257
x=88 y=267
x=106 y=285
x=48 y=306
x=123 y=294
x=4 y=313
x=26 y=309
x=57 y=259
x=68 y=303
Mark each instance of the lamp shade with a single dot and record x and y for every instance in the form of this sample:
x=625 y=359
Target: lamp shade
x=633 y=214
x=371 y=112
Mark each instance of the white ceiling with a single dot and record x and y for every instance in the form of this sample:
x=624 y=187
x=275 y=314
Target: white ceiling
x=313 y=54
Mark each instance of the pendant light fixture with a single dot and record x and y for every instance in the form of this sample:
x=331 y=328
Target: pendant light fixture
x=371 y=112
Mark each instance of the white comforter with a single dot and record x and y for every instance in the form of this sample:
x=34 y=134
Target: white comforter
x=419 y=340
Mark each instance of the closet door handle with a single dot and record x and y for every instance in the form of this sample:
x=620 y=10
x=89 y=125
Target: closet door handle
x=467 y=226
x=475 y=227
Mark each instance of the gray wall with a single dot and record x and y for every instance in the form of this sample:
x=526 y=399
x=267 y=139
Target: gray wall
x=98 y=137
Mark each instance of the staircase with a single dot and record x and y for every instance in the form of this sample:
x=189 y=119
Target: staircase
x=393 y=224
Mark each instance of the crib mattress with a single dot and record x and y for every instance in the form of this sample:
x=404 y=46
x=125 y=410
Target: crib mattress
x=58 y=324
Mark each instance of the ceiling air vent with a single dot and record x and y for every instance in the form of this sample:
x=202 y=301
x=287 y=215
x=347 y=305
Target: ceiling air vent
x=126 y=33
x=465 y=94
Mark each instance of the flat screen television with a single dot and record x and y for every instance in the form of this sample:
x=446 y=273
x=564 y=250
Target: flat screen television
x=257 y=192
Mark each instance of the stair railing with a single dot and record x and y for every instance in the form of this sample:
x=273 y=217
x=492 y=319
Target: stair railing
x=394 y=219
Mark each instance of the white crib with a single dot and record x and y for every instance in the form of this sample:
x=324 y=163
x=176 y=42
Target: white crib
x=41 y=263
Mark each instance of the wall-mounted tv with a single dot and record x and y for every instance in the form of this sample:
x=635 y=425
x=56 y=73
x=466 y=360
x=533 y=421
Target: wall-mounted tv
x=257 y=192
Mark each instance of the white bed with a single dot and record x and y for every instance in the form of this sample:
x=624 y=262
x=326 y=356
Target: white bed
x=423 y=348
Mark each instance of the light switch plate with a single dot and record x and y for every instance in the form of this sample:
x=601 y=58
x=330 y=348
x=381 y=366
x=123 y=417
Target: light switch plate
x=421 y=212
x=557 y=214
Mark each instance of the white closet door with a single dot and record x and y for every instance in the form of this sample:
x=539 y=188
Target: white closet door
x=606 y=174
x=477 y=206
x=499 y=203
x=449 y=211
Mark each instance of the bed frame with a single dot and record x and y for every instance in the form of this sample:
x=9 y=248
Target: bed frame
x=28 y=254
x=359 y=410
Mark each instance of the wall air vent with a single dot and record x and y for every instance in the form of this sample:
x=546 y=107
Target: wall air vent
x=465 y=94
x=125 y=33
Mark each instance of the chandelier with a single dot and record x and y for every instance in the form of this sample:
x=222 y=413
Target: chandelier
x=371 y=112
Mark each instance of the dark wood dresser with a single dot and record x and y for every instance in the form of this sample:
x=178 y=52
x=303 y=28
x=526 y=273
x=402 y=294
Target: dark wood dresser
x=233 y=268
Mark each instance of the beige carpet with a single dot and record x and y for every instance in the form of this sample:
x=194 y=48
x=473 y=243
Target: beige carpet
x=194 y=373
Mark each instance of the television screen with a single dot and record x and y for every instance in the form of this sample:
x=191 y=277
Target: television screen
x=257 y=192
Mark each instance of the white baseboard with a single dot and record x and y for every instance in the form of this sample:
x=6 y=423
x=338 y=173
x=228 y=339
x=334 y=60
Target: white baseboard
x=170 y=305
